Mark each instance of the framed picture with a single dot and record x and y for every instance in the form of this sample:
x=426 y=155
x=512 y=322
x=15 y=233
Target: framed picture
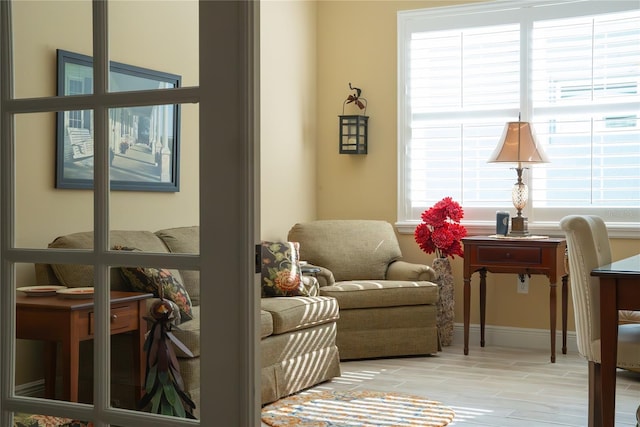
x=144 y=142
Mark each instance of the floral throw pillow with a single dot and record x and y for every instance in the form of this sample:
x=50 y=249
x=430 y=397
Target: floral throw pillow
x=281 y=270
x=160 y=282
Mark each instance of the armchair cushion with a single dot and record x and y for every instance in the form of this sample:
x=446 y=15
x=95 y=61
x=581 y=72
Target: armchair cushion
x=293 y=313
x=373 y=245
x=74 y=275
x=185 y=240
x=266 y=324
x=189 y=334
x=381 y=293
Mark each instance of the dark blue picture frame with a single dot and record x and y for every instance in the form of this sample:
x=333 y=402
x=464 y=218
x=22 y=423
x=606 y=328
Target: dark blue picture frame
x=144 y=142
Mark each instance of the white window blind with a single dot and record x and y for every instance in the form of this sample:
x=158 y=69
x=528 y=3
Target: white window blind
x=572 y=69
x=585 y=92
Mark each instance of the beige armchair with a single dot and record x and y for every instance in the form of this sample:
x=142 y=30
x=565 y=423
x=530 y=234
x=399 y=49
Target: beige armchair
x=589 y=248
x=387 y=306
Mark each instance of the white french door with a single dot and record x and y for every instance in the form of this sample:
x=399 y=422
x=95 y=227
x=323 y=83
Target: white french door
x=218 y=169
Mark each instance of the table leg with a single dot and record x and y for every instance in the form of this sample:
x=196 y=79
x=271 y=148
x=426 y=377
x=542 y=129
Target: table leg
x=467 y=307
x=594 y=411
x=70 y=360
x=483 y=303
x=552 y=319
x=609 y=357
x=50 y=362
x=565 y=293
x=139 y=355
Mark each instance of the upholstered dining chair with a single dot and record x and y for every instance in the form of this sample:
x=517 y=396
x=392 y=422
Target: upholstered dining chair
x=588 y=246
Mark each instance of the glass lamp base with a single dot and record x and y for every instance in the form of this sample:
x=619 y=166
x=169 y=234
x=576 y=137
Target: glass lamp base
x=519 y=226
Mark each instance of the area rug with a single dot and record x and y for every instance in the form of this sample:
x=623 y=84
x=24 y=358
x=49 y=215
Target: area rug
x=30 y=420
x=356 y=408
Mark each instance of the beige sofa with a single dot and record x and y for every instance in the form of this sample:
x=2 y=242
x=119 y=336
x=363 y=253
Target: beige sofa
x=290 y=360
x=387 y=306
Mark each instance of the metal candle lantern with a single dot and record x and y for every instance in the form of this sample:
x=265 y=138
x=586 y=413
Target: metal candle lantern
x=354 y=128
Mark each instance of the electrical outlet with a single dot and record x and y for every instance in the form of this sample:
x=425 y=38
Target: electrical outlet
x=523 y=284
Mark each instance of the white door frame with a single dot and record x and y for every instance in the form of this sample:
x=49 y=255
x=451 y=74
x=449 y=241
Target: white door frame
x=228 y=105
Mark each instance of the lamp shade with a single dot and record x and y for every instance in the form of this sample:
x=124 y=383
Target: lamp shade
x=518 y=144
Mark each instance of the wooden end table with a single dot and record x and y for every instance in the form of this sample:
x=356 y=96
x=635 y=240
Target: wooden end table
x=56 y=319
x=516 y=256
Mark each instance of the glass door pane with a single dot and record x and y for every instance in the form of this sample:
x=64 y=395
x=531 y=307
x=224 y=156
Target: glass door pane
x=39 y=28
x=159 y=35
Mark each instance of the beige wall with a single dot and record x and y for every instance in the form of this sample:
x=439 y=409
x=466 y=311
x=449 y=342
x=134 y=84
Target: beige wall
x=357 y=43
x=288 y=115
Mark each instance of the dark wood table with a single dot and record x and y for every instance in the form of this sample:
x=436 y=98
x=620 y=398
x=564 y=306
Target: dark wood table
x=619 y=290
x=56 y=319
x=515 y=256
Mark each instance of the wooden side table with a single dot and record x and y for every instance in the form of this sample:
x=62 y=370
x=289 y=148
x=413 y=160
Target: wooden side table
x=68 y=321
x=516 y=256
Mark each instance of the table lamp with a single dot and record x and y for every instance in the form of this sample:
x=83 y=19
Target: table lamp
x=518 y=144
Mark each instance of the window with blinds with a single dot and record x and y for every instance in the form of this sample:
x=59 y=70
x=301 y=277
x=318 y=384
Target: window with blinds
x=570 y=68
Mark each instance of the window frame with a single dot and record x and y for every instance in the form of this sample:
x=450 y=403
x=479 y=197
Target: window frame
x=497 y=12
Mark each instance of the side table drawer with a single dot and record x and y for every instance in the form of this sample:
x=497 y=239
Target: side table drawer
x=501 y=255
x=123 y=318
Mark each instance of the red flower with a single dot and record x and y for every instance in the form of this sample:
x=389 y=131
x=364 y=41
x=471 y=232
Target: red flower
x=440 y=231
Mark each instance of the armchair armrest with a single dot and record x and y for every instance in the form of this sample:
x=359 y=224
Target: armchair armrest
x=324 y=275
x=402 y=270
x=311 y=285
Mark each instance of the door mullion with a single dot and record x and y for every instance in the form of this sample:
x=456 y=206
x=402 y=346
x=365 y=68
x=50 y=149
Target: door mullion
x=7 y=203
x=102 y=342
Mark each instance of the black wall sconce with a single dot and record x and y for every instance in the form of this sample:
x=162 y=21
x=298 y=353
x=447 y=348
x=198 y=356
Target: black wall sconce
x=354 y=128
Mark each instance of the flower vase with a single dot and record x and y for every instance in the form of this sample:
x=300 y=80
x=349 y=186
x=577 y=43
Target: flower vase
x=444 y=279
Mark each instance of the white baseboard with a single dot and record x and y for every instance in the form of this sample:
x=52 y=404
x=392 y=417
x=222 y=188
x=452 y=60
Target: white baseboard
x=503 y=336
x=32 y=389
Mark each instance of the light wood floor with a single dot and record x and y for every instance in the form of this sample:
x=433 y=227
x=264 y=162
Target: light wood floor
x=494 y=386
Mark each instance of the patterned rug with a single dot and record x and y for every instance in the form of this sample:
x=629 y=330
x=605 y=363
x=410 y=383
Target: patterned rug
x=29 y=420
x=356 y=408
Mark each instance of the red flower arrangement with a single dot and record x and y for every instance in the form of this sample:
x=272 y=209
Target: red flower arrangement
x=440 y=231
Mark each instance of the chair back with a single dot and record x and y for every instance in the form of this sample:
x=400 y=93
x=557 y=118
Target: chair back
x=351 y=249
x=588 y=247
